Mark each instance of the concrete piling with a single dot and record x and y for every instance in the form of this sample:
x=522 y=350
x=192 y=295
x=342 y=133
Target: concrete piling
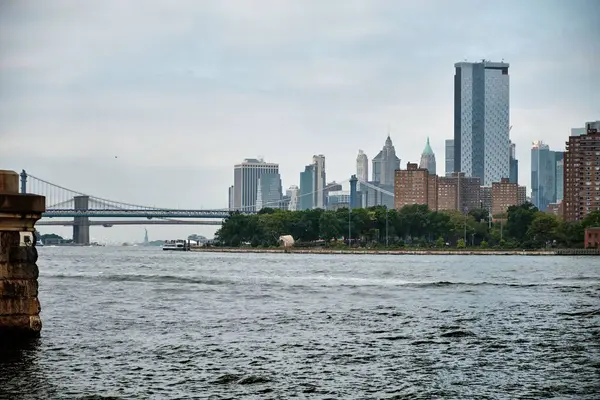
x=19 y=305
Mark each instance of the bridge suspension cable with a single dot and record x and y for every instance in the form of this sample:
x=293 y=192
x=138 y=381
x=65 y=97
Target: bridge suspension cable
x=60 y=196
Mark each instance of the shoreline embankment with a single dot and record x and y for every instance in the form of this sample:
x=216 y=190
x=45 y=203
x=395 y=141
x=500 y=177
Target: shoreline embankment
x=428 y=252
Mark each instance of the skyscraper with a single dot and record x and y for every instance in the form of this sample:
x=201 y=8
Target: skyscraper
x=560 y=176
x=269 y=193
x=292 y=193
x=305 y=195
x=245 y=182
x=230 y=198
x=514 y=164
x=385 y=163
x=362 y=166
x=428 y=159
x=481 y=120
x=449 y=157
x=544 y=175
x=319 y=193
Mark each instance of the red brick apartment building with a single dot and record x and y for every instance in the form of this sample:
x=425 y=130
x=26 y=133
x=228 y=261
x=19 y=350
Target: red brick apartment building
x=506 y=194
x=582 y=173
x=415 y=185
x=458 y=192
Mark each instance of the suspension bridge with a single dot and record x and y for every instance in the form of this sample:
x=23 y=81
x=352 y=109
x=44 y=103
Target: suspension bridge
x=62 y=202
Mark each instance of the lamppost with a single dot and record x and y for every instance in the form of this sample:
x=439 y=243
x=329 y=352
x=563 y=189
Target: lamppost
x=349 y=225
x=465 y=234
x=386 y=228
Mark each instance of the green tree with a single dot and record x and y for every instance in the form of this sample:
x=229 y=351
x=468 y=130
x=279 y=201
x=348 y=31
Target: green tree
x=480 y=215
x=519 y=219
x=570 y=234
x=329 y=226
x=48 y=236
x=542 y=229
x=524 y=227
x=440 y=242
x=591 y=220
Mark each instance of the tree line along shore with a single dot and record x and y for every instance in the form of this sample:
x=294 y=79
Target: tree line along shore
x=412 y=227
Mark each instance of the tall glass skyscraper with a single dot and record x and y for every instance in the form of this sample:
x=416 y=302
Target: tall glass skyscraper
x=269 y=193
x=449 y=157
x=546 y=175
x=481 y=120
x=514 y=165
x=307 y=182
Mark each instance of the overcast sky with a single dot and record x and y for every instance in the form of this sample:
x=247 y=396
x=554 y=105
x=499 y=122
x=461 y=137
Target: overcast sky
x=181 y=91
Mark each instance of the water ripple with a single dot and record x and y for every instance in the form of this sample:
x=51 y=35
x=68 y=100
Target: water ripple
x=136 y=323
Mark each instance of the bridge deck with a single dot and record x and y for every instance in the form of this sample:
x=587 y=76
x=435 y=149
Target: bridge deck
x=121 y=213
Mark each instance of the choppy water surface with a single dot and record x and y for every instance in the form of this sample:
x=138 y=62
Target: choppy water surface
x=142 y=323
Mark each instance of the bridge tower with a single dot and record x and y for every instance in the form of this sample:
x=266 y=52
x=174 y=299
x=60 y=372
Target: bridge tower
x=19 y=304
x=81 y=225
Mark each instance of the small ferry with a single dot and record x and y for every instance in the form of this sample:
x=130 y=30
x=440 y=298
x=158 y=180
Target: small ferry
x=176 y=245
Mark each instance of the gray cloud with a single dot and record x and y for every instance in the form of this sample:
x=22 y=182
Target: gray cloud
x=194 y=89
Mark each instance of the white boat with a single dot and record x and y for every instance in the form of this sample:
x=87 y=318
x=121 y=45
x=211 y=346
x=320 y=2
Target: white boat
x=176 y=245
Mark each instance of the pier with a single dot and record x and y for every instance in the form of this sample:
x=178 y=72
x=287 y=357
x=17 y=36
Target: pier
x=19 y=304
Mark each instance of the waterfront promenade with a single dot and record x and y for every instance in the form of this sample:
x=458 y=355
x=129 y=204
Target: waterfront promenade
x=444 y=252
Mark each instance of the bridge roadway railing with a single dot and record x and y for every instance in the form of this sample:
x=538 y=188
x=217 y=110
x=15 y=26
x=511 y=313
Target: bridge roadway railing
x=151 y=213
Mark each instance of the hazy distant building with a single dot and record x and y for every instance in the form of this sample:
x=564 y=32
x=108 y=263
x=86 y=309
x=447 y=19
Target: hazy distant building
x=385 y=163
x=577 y=131
x=544 y=175
x=428 y=159
x=415 y=185
x=582 y=174
x=305 y=195
x=230 y=198
x=481 y=120
x=449 y=157
x=514 y=164
x=560 y=176
x=331 y=187
x=362 y=167
x=319 y=194
x=245 y=182
x=292 y=193
x=284 y=204
x=269 y=193
x=376 y=194
x=337 y=199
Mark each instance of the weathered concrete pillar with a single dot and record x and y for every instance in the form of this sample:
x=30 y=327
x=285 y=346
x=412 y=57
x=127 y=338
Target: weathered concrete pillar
x=19 y=305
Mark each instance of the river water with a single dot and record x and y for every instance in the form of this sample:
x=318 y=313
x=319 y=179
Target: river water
x=137 y=322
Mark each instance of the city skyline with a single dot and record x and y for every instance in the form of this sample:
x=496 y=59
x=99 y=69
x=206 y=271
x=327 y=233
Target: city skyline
x=139 y=109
